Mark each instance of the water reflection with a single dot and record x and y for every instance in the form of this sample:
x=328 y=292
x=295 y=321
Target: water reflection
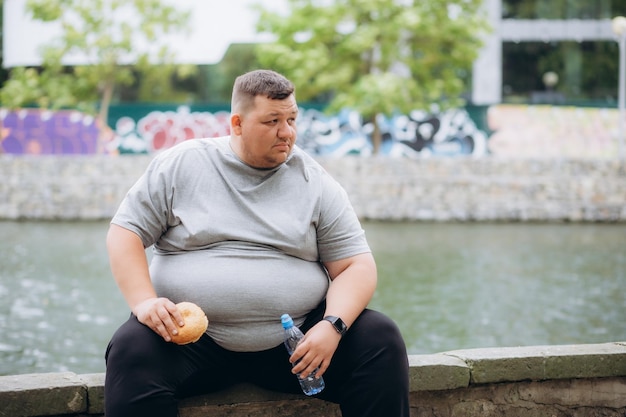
x=448 y=286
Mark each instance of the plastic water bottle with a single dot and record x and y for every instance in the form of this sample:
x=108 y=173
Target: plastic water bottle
x=310 y=385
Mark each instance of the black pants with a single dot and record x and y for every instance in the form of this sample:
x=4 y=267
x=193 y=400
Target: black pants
x=145 y=375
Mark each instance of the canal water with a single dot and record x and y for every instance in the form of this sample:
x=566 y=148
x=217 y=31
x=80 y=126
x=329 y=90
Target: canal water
x=447 y=285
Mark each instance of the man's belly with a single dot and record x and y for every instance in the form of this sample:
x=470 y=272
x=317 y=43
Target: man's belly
x=243 y=294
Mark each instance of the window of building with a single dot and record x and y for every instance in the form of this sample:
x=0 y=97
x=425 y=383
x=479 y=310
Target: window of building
x=562 y=9
x=560 y=72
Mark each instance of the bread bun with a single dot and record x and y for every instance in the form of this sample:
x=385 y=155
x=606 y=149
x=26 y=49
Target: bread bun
x=196 y=323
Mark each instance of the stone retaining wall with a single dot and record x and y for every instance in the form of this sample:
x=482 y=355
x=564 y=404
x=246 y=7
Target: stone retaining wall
x=381 y=188
x=537 y=381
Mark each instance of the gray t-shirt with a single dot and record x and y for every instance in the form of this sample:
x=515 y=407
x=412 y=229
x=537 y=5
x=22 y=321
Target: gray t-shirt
x=245 y=244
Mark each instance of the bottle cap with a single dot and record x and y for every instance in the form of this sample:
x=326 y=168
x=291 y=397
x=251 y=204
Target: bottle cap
x=286 y=321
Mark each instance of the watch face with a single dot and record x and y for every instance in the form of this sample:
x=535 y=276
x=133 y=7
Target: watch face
x=339 y=325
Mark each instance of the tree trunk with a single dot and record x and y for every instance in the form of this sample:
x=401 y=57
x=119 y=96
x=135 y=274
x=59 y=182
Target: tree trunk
x=105 y=103
x=105 y=134
x=376 y=136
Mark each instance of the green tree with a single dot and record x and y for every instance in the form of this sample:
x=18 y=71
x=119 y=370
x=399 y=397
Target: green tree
x=119 y=38
x=375 y=56
x=239 y=58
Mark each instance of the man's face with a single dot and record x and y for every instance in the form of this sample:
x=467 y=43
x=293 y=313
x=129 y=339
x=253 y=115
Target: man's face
x=268 y=132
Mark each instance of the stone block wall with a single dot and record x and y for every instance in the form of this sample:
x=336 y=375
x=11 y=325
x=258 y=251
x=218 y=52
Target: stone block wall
x=381 y=188
x=484 y=189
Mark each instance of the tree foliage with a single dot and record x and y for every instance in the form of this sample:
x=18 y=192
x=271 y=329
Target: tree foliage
x=118 y=37
x=376 y=56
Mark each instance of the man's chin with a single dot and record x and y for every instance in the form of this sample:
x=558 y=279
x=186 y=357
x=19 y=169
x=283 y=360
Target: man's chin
x=273 y=162
x=282 y=157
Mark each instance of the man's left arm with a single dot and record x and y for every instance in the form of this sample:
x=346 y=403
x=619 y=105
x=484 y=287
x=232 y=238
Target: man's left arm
x=353 y=282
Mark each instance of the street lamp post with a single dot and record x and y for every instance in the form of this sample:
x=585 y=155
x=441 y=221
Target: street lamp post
x=619 y=28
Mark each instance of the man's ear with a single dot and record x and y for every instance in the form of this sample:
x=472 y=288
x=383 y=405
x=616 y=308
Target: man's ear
x=235 y=124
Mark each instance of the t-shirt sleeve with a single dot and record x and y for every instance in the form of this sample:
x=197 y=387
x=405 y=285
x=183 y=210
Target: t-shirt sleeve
x=339 y=233
x=145 y=210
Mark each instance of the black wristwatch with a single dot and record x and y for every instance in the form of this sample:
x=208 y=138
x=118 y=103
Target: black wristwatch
x=337 y=323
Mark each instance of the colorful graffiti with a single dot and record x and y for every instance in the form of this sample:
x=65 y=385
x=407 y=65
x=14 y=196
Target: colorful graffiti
x=448 y=133
x=159 y=130
x=529 y=131
x=42 y=132
x=515 y=131
x=32 y=131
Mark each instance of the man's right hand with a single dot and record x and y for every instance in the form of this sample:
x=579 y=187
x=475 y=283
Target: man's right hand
x=159 y=314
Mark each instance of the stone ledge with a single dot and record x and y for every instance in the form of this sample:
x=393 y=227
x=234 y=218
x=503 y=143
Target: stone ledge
x=67 y=393
x=437 y=372
x=42 y=394
x=94 y=384
x=539 y=363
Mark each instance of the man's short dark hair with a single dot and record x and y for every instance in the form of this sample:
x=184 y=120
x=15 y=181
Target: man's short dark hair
x=259 y=83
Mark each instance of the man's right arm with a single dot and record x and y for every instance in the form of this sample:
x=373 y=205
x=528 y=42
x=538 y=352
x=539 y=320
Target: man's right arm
x=129 y=266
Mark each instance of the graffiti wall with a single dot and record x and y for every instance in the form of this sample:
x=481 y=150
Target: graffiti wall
x=158 y=130
x=32 y=131
x=419 y=133
x=35 y=131
x=449 y=133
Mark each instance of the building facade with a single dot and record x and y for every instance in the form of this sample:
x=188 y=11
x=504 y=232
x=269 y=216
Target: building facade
x=548 y=51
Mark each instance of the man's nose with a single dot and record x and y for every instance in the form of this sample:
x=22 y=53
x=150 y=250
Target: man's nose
x=285 y=130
